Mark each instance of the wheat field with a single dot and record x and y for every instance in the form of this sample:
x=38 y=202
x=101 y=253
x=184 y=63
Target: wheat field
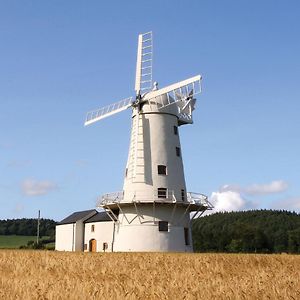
x=26 y=274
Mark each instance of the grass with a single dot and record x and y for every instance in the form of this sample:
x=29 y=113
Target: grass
x=15 y=241
x=62 y=275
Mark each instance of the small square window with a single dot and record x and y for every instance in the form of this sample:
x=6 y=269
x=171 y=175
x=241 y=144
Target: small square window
x=178 y=151
x=162 y=170
x=104 y=246
x=175 y=130
x=163 y=226
x=93 y=228
x=162 y=193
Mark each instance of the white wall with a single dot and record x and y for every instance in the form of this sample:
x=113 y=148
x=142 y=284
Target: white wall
x=103 y=233
x=138 y=230
x=65 y=237
x=156 y=146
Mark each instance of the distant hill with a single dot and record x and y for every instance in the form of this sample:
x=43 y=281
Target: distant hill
x=27 y=227
x=261 y=231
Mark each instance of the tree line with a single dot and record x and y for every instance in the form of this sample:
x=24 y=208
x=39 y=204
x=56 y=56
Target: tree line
x=27 y=227
x=257 y=231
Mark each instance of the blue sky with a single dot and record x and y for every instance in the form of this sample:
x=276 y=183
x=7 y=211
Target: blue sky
x=60 y=59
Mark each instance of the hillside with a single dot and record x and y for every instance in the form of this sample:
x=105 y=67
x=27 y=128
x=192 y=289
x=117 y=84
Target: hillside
x=264 y=231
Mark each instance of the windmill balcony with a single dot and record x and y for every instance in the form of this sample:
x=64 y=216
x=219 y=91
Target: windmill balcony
x=195 y=201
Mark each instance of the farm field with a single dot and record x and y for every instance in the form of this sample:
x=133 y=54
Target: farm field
x=27 y=274
x=15 y=241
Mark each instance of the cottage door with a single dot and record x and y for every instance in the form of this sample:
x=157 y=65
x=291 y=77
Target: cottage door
x=93 y=245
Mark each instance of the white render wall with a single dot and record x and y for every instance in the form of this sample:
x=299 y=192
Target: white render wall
x=103 y=233
x=65 y=237
x=153 y=143
x=138 y=229
x=156 y=146
x=147 y=238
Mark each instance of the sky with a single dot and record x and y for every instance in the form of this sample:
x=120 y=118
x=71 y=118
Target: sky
x=60 y=59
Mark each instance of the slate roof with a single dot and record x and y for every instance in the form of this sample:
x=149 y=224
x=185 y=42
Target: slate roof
x=99 y=217
x=76 y=216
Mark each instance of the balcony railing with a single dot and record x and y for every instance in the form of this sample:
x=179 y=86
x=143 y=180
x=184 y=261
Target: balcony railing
x=157 y=197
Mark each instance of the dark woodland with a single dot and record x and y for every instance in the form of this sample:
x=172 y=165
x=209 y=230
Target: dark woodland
x=257 y=231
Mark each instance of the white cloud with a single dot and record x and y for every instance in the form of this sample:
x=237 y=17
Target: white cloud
x=31 y=187
x=273 y=187
x=228 y=201
x=232 y=197
x=276 y=186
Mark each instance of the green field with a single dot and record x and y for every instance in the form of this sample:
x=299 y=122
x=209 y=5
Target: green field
x=14 y=241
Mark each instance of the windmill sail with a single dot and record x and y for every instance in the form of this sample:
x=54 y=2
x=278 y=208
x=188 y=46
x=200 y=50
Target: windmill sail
x=104 y=112
x=143 y=78
x=174 y=93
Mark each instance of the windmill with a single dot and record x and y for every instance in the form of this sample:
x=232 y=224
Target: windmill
x=152 y=213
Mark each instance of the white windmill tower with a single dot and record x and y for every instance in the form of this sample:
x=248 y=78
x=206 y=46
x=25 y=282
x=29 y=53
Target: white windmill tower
x=152 y=213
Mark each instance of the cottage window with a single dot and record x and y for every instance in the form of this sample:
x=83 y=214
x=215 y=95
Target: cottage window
x=93 y=228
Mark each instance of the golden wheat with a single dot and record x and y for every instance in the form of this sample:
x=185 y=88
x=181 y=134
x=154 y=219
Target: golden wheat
x=60 y=275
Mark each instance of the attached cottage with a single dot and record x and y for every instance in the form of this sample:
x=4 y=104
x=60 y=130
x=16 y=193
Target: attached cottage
x=87 y=230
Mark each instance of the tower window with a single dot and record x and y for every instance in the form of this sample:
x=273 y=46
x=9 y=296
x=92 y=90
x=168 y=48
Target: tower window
x=175 y=130
x=126 y=172
x=178 y=151
x=162 y=193
x=183 y=195
x=162 y=170
x=93 y=228
x=186 y=236
x=163 y=226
